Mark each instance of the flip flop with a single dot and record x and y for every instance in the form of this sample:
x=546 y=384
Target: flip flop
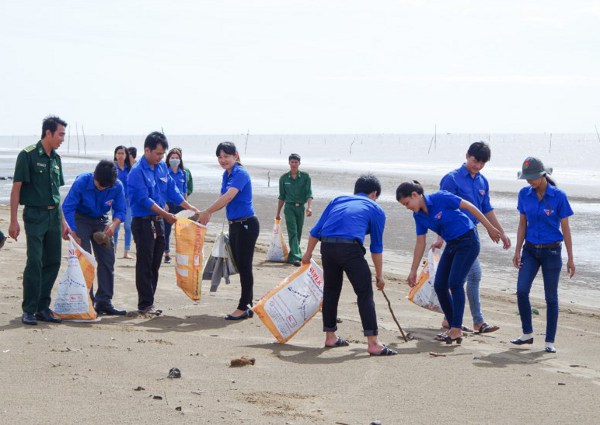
x=486 y=329
x=341 y=342
x=385 y=351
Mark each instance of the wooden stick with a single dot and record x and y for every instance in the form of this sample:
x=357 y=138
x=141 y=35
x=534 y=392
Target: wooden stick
x=394 y=316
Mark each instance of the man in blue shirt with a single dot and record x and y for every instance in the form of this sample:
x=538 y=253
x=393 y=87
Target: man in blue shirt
x=150 y=187
x=341 y=229
x=468 y=183
x=86 y=208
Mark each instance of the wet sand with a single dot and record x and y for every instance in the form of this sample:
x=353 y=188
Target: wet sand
x=116 y=370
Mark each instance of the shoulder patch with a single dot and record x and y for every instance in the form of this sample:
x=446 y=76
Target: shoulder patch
x=29 y=148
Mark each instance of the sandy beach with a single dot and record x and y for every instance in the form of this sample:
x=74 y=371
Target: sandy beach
x=115 y=371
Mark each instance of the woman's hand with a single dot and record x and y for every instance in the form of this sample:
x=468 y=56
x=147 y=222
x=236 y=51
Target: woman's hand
x=570 y=267
x=494 y=233
x=379 y=282
x=517 y=260
x=412 y=279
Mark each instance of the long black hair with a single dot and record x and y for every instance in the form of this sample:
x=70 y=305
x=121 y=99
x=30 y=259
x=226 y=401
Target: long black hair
x=127 y=159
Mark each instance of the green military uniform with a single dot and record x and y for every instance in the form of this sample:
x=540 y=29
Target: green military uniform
x=41 y=177
x=189 y=182
x=294 y=192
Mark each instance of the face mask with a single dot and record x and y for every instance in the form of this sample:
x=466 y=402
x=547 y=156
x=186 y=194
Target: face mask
x=175 y=162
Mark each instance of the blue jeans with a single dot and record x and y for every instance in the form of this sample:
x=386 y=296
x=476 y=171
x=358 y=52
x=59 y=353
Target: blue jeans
x=456 y=261
x=473 y=280
x=127 y=225
x=551 y=262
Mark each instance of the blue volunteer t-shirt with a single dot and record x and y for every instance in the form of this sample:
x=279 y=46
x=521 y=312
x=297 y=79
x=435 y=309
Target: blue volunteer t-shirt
x=444 y=216
x=543 y=217
x=476 y=189
x=180 y=178
x=241 y=205
x=352 y=217
x=148 y=186
x=84 y=198
x=122 y=176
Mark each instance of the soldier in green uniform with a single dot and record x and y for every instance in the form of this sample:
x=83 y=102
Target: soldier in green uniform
x=294 y=191
x=38 y=176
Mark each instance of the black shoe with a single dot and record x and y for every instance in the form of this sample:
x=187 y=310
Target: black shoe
x=297 y=263
x=520 y=341
x=167 y=259
x=28 y=319
x=47 y=316
x=245 y=315
x=109 y=310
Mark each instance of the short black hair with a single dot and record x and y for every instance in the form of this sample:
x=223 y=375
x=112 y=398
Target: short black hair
x=294 y=156
x=132 y=151
x=367 y=183
x=154 y=139
x=106 y=173
x=51 y=122
x=407 y=188
x=480 y=150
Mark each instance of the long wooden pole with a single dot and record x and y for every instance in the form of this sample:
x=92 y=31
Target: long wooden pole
x=394 y=316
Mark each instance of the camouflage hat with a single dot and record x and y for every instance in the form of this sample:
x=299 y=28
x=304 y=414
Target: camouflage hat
x=533 y=168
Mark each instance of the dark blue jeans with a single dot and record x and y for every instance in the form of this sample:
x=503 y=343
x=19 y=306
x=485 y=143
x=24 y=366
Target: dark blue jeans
x=551 y=262
x=242 y=239
x=455 y=263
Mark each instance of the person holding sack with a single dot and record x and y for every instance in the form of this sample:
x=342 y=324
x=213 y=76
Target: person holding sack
x=86 y=208
x=443 y=213
x=543 y=227
x=294 y=191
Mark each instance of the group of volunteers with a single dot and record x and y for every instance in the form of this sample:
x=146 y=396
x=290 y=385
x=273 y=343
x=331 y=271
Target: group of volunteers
x=146 y=194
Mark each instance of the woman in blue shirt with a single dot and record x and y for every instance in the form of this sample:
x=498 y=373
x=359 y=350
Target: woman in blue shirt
x=123 y=163
x=177 y=172
x=236 y=196
x=544 y=213
x=441 y=212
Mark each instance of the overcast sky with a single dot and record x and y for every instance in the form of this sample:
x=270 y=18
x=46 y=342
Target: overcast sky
x=285 y=66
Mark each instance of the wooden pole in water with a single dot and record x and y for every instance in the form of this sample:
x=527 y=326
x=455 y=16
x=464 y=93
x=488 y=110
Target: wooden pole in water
x=550 y=147
x=84 y=141
x=246 y=143
x=597 y=134
x=77 y=133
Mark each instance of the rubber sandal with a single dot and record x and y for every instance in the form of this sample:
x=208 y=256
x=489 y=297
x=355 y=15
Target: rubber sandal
x=486 y=329
x=341 y=342
x=385 y=351
x=462 y=328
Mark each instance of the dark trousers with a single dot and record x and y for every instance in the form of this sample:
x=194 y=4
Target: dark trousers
x=338 y=258
x=550 y=260
x=173 y=209
x=242 y=239
x=455 y=263
x=43 y=229
x=105 y=256
x=149 y=237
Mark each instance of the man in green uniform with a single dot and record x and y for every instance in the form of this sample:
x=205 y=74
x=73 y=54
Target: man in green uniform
x=294 y=192
x=38 y=176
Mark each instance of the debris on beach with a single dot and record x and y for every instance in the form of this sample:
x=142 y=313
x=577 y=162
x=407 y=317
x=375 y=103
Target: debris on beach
x=174 y=373
x=434 y=354
x=139 y=388
x=242 y=361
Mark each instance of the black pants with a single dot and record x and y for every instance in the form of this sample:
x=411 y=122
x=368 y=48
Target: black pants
x=338 y=258
x=149 y=237
x=105 y=256
x=242 y=238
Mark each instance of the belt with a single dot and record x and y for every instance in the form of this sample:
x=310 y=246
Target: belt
x=339 y=240
x=43 y=207
x=240 y=220
x=151 y=217
x=295 y=204
x=553 y=245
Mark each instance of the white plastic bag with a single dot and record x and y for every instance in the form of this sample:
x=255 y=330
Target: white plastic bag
x=423 y=294
x=278 y=250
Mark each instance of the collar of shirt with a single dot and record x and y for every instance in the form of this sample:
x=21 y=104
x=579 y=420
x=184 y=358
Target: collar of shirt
x=42 y=151
x=466 y=173
x=550 y=191
x=298 y=175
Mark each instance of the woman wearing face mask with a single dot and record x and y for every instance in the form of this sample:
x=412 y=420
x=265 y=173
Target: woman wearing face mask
x=236 y=197
x=543 y=226
x=123 y=163
x=177 y=171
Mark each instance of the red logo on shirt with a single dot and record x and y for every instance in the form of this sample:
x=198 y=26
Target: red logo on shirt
x=109 y=202
x=438 y=216
x=164 y=179
x=548 y=212
x=481 y=192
